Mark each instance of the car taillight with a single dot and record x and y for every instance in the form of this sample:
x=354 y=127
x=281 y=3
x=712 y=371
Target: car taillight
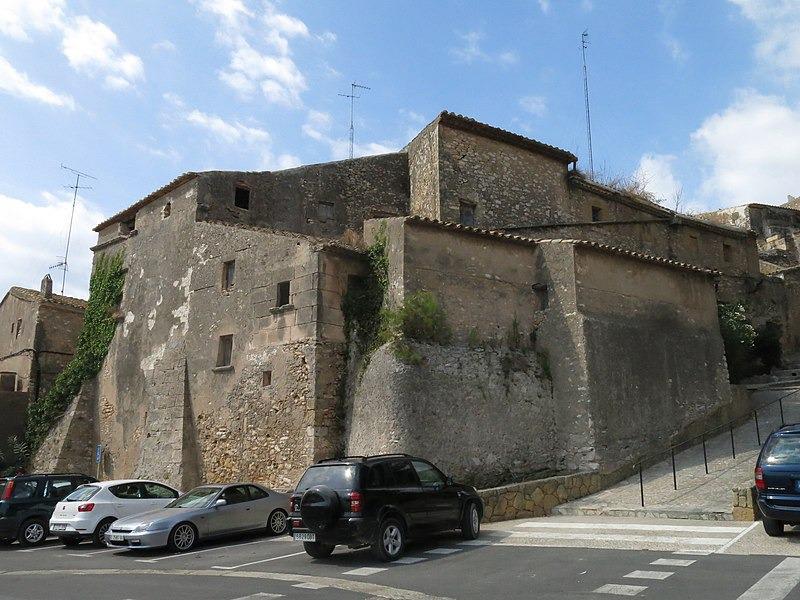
x=355 y=501
x=294 y=504
x=760 y=483
x=297 y=523
x=8 y=491
x=88 y=507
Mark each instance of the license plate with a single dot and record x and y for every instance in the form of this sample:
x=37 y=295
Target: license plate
x=114 y=537
x=305 y=537
x=58 y=527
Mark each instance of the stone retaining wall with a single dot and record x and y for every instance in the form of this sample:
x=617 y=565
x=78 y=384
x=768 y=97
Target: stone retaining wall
x=744 y=504
x=536 y=498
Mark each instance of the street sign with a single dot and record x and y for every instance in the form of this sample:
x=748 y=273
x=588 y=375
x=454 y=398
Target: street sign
x=98 y=453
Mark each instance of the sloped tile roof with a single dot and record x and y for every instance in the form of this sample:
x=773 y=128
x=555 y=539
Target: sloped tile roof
x=36 y=296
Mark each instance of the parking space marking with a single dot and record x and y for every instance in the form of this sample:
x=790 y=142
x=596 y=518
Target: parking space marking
x=259 y=595
x=409 y=560
x=443 y=551
x=776 y=584
x=738 y=537
x=694 y=552
x=673 y=562
x=476 y=543
x=620 y=590
x=180 y=554
x=258 y=562
x=649 y=574
x=309 y=585
x=722 y=529
x=364 y=571
x=48 y=547
x=96 y=552
x=616 y=537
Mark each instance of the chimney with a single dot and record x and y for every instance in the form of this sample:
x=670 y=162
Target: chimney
x=47 y=286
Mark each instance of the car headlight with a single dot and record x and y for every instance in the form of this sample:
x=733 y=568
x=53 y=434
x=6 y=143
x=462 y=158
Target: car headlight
x=151 y=526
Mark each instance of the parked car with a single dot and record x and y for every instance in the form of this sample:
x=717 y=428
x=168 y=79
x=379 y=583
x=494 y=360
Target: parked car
x=205 y=512
x=88 y=512
x=27 y=501
x=777 y=477
x=379 y=501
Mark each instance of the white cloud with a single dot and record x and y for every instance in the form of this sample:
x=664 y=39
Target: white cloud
x=778 y=22
x=270 y=162
x=327 y=37
x=169 y=154
x=317 y=127
x=675 y=48
x=752 y=149
x=18 y=84
x=19 y=18
x=545 y=6
x=656 y=172
x=536 y=105
x=164 y=46
x=471 y=51
x=230 y=132
x=91 y=47
x=33 y=238
x=285 y=24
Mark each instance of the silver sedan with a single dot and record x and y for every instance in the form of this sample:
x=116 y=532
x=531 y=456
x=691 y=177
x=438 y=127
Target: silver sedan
x=205 y=512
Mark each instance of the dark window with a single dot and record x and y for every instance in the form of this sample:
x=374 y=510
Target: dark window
x=225 y=351
x=8 y=382
x=542 y=295
x=167 y=210
x=427 y=473
x=228 y=273
x=256 y=493
x=58 y=488
x=266 y=378
x=12 y=328
x=25 y=490
x=241 y=198
x=783 y=450
x=597 y=214
x=19 y=327
x=156 y=490
x=325 y=211
x=336 y=477
x=82 y=494
x=236 y=494
x=727 y=252
x=403 y=473
x=283 y=293
x=379 y=476
x=127 y=491
x=128 y=226
x=466 y=213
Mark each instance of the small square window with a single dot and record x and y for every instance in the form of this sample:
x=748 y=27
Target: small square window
x=325 y=211
x=128 y=226
x=466 y=213
x=167 y=210
x=727 y=252
x=283 y=294
x=241 y=198
x=266 y=378
x=225 y=351
x=8 y=382
x=228 y=273
x=597 y=214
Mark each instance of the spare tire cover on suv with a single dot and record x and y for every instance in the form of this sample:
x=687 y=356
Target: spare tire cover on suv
x=319 y=508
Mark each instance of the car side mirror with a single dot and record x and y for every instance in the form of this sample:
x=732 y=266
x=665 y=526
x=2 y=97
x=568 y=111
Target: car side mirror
x=220 y=502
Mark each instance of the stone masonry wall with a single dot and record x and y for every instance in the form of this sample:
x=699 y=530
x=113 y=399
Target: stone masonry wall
x=423 y=172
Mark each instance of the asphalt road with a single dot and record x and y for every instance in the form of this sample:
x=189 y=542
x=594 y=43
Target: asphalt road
x=538 y=558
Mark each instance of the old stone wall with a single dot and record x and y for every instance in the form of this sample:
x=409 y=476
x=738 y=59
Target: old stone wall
x=17 y=347
x=423 y=172
x=13 y=407
x=484 y=415
x=56 y=338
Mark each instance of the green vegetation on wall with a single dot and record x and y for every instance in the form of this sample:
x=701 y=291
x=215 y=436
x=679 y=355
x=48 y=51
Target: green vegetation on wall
x=421 y=318
x=748 y=351
x=99 y=324
x=13 y=459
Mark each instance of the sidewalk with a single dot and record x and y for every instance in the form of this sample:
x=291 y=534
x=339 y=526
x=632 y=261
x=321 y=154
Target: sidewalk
x=699 y=496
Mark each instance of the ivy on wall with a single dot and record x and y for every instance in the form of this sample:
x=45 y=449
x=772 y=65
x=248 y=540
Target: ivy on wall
x=99 y=324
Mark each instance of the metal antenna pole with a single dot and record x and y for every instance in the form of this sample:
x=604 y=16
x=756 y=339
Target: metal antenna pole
x=64 y=264
x=352 y=96
x=584 y=45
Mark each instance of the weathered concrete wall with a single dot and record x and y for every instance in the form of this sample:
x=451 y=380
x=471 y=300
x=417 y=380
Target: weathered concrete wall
x=458 y=401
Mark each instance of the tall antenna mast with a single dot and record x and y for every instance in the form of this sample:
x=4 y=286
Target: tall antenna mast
x=352 y=96
x=584 y=45
x=64 y=263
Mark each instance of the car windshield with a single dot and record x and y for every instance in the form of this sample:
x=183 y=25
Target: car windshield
x=337 y=477
x=197 y=498
x=783 y=450
x=82 y=493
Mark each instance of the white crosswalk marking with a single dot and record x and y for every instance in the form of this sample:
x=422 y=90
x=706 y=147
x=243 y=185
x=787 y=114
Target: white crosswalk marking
x=693 y=552
x=620 y=590
x=364 y=571
x=443 y=551
x=673 y=562
x=308 y=585
x=619 y=537
x=410 y=560
x=776 y=584
x=258 y=595
x=722 y=529
x=649 y=574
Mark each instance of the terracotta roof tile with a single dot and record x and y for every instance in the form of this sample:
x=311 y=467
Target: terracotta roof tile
x=37 y=296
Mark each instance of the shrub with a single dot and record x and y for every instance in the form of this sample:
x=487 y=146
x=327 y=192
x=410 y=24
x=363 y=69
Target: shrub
x=421 y=318
x=738 y=336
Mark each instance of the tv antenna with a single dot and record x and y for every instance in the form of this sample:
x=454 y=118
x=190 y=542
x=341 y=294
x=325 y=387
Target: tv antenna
x=584 y=45
x=352 y=96
x=64 y=263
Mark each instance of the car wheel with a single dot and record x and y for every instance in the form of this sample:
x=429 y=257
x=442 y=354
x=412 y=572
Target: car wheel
x=773 y=527
x=471 y=522
x=99 y=535
x=318 y=550
x=391 y=540
x=32 y=533
x=183 y=537
x=70 y=541
x=278 y=522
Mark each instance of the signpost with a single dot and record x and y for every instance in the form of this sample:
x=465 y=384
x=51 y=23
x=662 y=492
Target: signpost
x=98 y=458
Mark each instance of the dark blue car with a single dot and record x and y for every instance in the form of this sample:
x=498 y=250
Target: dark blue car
x=778 y=479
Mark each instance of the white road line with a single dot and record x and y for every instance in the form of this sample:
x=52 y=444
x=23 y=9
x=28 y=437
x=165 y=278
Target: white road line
x=620 y=590
x=723 y=529
x=476 y=543
x=97 y=552
x=258 y=562
x=693 y=552
x=443 y=551
x=649 y=574
x=49 y=547
x=409 y=560
x=364 y=571
x=259 y=595
x=616 y=537
x=738 y=537
x=308 y=585
x=776 y=584
x=673 y=562
x=179 y=555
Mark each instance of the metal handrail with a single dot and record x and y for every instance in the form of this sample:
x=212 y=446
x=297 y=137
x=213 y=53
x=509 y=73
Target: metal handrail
x=729 y=425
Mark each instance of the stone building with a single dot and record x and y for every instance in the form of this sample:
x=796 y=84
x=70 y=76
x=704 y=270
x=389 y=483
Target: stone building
x=582 y=318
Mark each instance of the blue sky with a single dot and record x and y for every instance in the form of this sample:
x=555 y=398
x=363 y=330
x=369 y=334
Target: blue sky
x=691 y=96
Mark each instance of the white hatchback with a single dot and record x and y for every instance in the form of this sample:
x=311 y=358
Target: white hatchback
x=88 y=511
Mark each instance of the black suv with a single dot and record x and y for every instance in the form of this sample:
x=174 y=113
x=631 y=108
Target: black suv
x=378 y=501
x=27 y=501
